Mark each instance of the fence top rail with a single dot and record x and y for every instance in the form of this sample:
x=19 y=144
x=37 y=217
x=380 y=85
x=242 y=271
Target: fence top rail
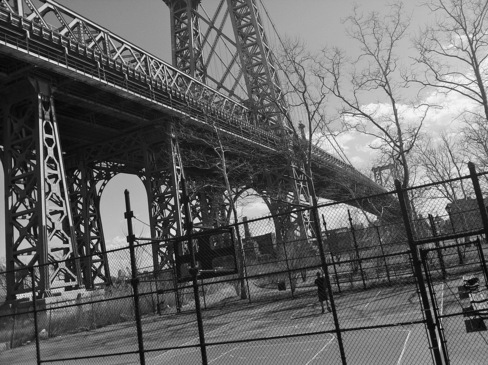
x=433 y=239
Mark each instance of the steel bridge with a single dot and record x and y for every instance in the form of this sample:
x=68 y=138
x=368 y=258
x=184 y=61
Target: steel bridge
x=80 y=105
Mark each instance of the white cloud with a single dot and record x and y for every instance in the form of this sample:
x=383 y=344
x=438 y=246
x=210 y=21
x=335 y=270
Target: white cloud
x=116 y=242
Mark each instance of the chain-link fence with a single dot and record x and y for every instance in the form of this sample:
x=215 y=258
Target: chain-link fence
x=398 y=278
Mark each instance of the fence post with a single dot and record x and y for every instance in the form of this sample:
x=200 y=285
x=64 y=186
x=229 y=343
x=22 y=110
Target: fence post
x=460 y=254
x=483 y=214
x=318 y=231
x=356 y=248
x=203 y=294
x=431 y=329
x=194 y=270
x=34 y=306
x=331 y=255
x=383 y=253
x=440 y=256
x=134 y=280
x=287 y=269
x=428 y=276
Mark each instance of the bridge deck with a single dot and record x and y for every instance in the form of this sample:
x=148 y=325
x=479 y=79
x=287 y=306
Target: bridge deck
x=99 y=97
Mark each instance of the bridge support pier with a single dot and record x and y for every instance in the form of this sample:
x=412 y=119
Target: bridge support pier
x=90 y=241
x=38 y=219
x=163 y=178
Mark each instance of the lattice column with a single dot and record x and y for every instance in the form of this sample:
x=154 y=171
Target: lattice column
x=39 y=225
x=287 y=192
x=209 y=208
x=261 y=77
x=163 y=187
x=88 y=224
x=186 y=38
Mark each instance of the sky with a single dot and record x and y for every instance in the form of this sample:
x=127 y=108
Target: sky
x=146 y=24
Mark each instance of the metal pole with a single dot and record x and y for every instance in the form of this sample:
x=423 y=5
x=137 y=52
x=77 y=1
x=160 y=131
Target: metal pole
x=194 y=271
x=418 y=273
x=356 y=248
x=203 y=294
x=483 y=214
x=383 y=253
x=423 y=255
x=134 y=280
x=331 y=255
x=437 y=246
x=288 y=268
x=34 y=305
x=460 y=254
x=482 y=257
x=325 y=268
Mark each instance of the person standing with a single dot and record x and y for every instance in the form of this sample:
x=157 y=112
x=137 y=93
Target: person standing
x=322 y=291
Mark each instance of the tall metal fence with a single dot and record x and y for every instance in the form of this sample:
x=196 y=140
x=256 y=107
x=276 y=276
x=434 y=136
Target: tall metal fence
x=405 y=285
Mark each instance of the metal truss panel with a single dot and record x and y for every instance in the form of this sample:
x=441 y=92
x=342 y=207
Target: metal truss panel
x=78 y=36
x=287 y=191
x=39 y=225
x=85 y=200
x=163 y=183
x=210 y=209
x=186 y=38
x=261 y=76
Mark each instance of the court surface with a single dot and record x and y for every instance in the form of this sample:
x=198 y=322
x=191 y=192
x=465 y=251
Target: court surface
x=310 y=336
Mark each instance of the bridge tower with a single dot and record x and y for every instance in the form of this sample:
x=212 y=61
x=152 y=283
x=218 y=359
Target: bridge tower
x=287 y=187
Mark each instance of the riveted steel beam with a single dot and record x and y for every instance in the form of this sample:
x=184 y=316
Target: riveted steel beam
x=38 y=219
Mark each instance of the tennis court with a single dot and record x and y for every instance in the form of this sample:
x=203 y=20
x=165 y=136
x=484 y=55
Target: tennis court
x=294 y=331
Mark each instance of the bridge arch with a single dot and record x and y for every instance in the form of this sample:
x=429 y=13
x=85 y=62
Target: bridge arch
x=112 y=208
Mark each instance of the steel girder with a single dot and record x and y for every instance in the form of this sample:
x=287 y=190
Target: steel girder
x=186 y=38
x=261 y=77
x=163 y=178
x=287 y=195
x=85 y=200
x=38 y=220
x=209 y=208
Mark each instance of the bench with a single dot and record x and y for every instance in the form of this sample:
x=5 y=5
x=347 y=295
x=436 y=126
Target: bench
x=479 y=302
x=471 y=283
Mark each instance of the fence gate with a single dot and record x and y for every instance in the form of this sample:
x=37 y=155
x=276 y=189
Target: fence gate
x=456 y=281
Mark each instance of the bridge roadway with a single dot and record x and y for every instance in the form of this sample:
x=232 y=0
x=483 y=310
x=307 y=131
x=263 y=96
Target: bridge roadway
x=104 y=92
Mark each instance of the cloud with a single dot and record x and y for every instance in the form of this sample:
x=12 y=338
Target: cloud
x=117 y=242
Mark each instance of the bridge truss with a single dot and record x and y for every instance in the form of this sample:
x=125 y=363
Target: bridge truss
x=80 y=104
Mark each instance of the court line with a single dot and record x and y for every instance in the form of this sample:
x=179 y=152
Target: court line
x=404 y=348
x=223 y=354
x=190 y=341
x=285 y=343
x=172 y=355
x=372 y=299
x=442 y=299
x=322 y=349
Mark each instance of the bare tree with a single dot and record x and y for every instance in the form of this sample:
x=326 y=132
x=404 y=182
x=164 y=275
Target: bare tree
x=453 y=50
x=305 y=97
x=372 y=88
x=475 y=133
x=441 y=161
x=453 y=53
x=229 y=169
